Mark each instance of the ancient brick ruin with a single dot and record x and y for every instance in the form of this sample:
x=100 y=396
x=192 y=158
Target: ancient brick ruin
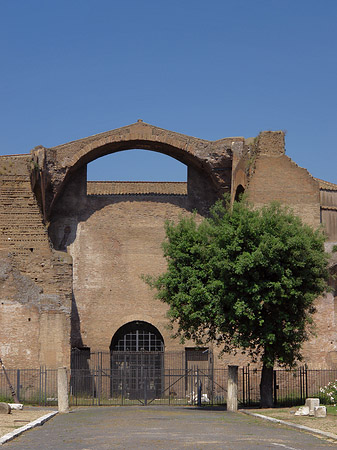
x=72 y=252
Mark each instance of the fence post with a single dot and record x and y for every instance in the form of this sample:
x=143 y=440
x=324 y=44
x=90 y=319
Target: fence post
x=306 y=382
x=18 y=385
x=169 y=384
x=275 y=388
x=212 y=376
x=232 y=390
x=145 y=386
x=123 y=381
x=199 y=388
x=99 y=377
x=40 y=389
x=243 y=387
x=248 y=386
x=45 y=386
x=92 y=377
x=62 y=390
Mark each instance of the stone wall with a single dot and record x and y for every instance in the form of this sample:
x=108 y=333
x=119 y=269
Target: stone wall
x=72 y=253
x=269 y=175
x=328 y=201
x=114 y=240
x=208 y=160
x=35 y=281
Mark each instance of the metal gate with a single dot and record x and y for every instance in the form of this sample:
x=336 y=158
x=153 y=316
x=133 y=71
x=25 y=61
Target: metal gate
x=136 y=375
x=123 y=378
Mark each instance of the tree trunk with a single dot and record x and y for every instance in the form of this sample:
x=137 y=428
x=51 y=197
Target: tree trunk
x=266 y=387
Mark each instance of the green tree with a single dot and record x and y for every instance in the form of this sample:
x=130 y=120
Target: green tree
x=245 y=279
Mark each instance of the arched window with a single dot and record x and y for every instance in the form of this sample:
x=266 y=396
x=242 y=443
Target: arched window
x=137 y=336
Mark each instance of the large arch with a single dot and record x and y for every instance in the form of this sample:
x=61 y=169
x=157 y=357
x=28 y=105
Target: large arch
x=209 y=162
x=113 y=239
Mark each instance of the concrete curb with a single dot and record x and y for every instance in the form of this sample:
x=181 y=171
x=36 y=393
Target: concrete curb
x=40 y=421
x=292 y=425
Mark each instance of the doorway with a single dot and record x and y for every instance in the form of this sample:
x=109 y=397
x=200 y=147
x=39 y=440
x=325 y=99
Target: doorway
x=137 y=362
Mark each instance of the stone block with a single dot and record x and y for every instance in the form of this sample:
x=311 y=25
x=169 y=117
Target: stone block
x=62 y=389
x=4 y=408
x=232 y=389
x=320 y=411
x=302 y=411
x=311 y=403
x=15 y=405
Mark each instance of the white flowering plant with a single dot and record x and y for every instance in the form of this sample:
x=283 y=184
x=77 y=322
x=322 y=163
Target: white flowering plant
x=330 y=392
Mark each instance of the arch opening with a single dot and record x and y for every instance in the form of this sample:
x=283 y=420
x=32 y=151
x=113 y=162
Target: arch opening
x=198 y=173
x=137 y=361
x=136 y=165
x=136 y=171
x=240 y=190
x=137 y=336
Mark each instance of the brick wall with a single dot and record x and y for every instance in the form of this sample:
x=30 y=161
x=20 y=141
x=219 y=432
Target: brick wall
x=78 y=280
x=35 y=282
x=280 y=179
x=114 y=240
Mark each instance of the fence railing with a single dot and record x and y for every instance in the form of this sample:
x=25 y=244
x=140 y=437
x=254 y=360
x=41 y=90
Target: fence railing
x=145 y=387
x=290 y=387
x=127 y=384
x=33 y=386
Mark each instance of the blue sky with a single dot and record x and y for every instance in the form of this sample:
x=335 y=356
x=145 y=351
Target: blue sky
x=210 y=69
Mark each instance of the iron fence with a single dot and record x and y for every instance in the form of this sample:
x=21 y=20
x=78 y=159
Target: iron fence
x=290 y=387
x=146 y=377
x=33 y=386
x=153 y=379
x=138 y=385
x=180 y=360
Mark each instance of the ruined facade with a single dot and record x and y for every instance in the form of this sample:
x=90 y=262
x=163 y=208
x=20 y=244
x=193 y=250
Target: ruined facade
x=72 y=252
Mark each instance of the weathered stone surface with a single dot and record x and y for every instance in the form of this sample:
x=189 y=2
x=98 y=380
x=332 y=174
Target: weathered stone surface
x=62 y=390
x=71 y=263
x=232 y=389
x=320 y=411
x=17 y=406
x=4 y=408
x=210 y=160
x=302 y=411
x=312 y=403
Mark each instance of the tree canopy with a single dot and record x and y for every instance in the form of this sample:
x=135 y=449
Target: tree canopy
x=244 y=278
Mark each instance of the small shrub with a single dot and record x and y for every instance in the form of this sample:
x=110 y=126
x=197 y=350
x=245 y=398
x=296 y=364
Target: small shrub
x=330 y=392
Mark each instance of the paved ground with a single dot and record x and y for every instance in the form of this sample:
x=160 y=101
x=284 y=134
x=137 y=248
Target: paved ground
x=166 y=428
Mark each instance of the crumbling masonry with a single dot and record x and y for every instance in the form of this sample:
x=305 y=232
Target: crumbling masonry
x=72 y=252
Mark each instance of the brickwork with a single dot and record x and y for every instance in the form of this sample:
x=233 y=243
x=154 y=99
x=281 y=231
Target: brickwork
x=72 y=253
x=289 y=184
x=35 y=281
x=113 y=240
x=320 y=352
x=328 y=201
x=209 y=162
x=136 y=188
x=269 y=175
x=109 y=260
